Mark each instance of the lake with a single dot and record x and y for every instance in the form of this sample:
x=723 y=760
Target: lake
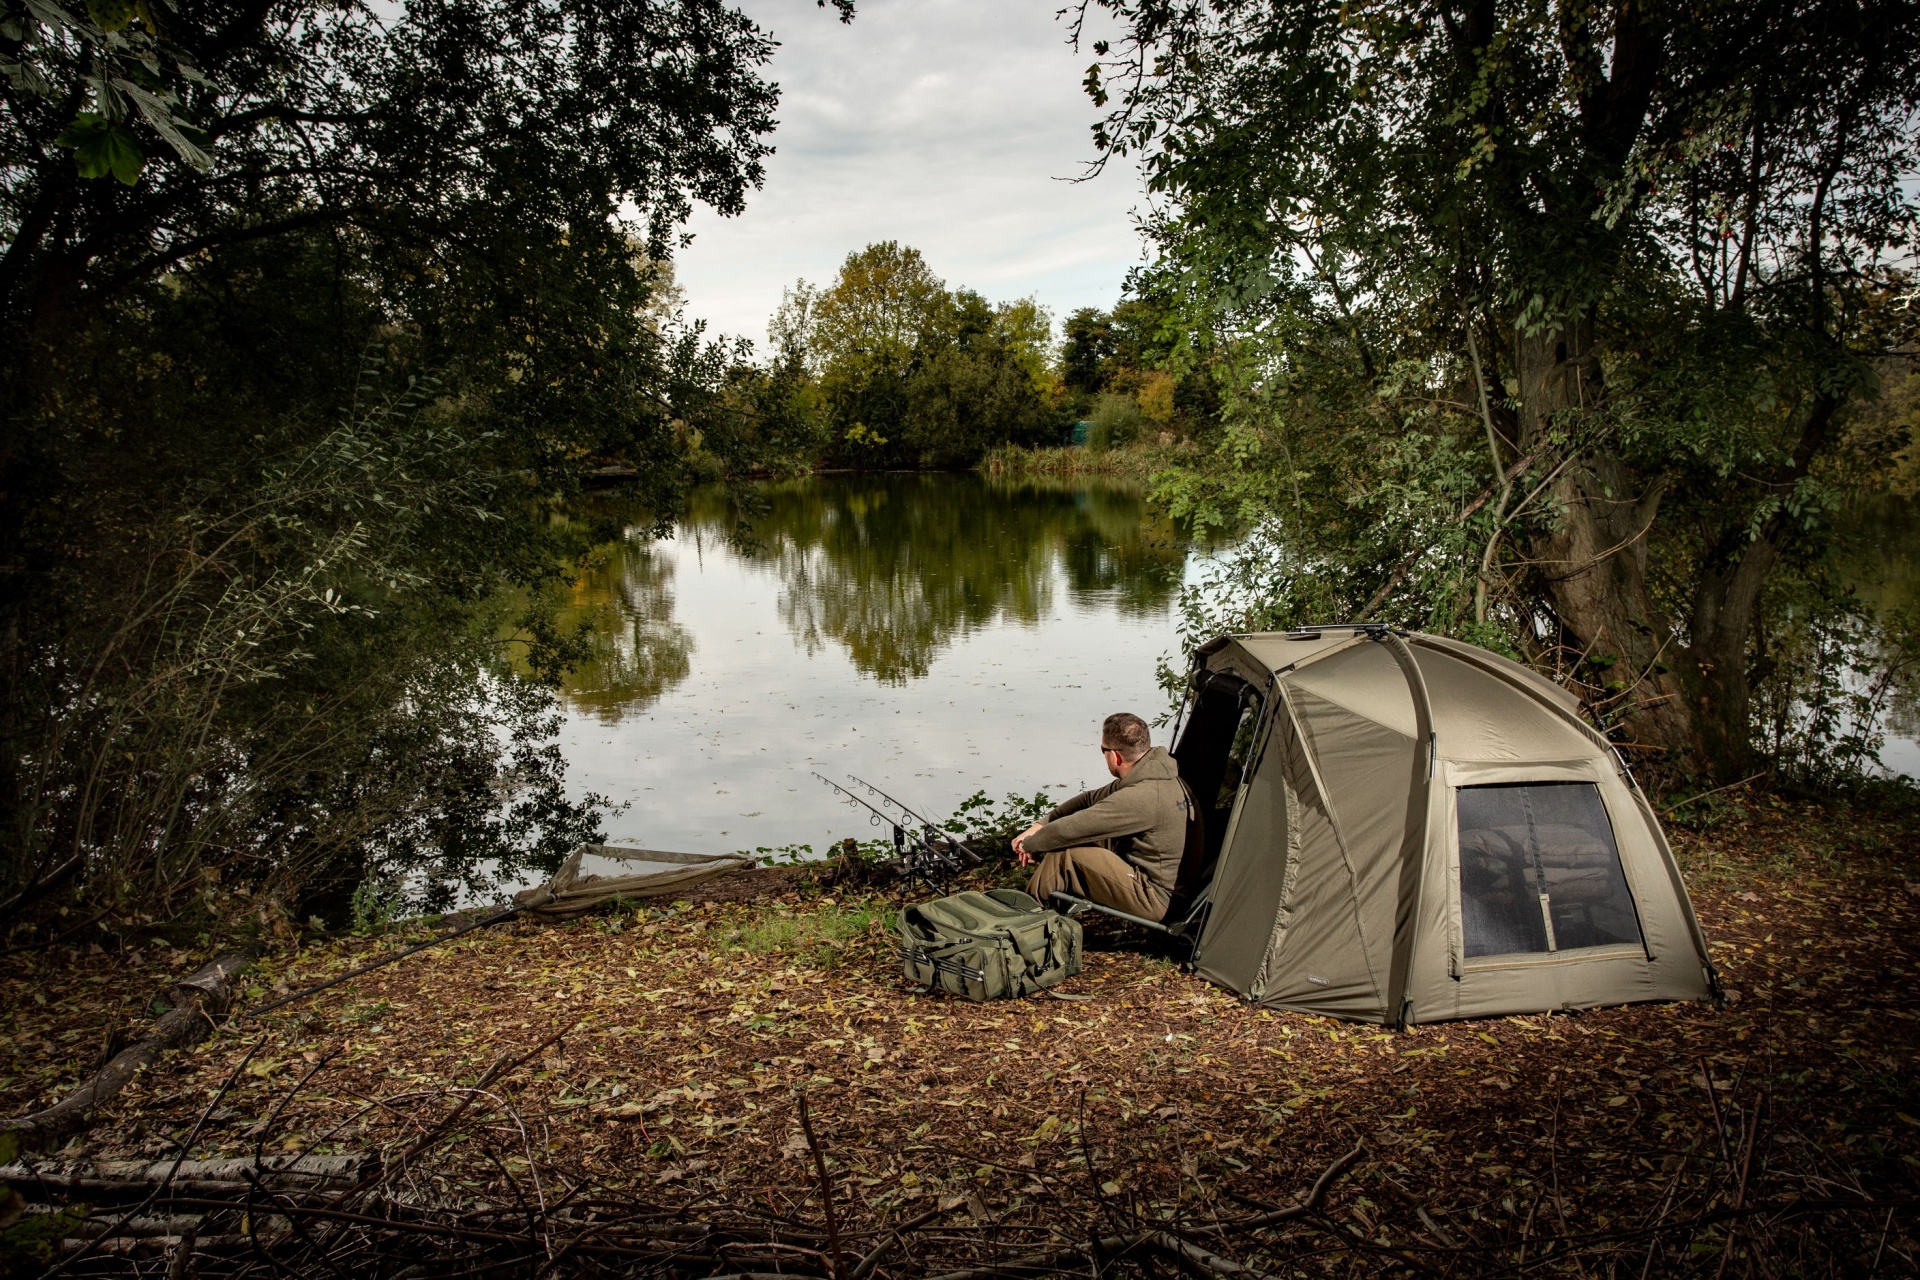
x=936 y=635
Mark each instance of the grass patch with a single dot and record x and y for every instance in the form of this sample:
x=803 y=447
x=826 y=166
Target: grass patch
x=819 y=934
x=367 y=1011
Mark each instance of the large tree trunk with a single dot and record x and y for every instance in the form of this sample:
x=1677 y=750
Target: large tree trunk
x=1686 y=695
x=1726 y=602
x=1592 y=561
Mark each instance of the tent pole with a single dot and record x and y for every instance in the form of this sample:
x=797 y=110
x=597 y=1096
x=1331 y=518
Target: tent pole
x=1413 y=849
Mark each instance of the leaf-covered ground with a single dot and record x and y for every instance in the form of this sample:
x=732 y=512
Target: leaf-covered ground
x=688 y=1031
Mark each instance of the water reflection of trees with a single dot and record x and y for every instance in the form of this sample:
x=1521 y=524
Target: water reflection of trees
x=638 y=651
x=894 y=568
x=1876 y=563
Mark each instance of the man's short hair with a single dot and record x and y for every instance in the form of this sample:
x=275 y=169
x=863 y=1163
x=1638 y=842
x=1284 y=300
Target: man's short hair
x=1126 y=733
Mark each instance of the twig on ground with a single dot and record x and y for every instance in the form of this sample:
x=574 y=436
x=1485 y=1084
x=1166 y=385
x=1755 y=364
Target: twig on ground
x=826 y=1183
x=159 y=1187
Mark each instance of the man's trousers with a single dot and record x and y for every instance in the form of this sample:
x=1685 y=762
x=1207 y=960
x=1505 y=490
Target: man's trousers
x=1100 y=875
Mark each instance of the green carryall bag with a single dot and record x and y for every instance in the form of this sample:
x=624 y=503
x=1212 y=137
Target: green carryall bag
x=986 y=946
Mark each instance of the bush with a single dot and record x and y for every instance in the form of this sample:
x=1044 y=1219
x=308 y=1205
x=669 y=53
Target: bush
x=1114 y=423
x=988 y=828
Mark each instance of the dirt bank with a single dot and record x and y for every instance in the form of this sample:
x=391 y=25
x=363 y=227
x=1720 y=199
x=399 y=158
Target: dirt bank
x=692 y=1028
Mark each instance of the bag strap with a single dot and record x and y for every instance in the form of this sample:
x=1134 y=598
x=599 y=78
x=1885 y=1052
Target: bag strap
x=943 y=959
x=1034 y=958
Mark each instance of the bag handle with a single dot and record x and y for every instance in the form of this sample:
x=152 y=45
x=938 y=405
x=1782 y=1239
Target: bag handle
x=1035 y=961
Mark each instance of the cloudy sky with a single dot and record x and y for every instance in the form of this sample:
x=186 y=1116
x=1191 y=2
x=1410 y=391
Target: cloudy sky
x=945 y=124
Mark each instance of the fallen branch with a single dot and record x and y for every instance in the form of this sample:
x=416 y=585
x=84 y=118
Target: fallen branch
x=41 y=884
x=134 y=1178
x=160 y=1187
x=1120 y=1245
x=1193 y=1258
x=888 y=1243
x=203 y=997
x=826 y=1184
x=1308 y=1205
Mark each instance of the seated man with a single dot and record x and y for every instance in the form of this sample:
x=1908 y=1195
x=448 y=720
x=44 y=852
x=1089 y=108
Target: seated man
x=1119 y=846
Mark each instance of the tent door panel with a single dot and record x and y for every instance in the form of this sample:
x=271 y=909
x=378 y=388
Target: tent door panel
x=1540 y=871
x=1214 y=751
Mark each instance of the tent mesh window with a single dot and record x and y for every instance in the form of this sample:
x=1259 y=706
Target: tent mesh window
x=1539 y=871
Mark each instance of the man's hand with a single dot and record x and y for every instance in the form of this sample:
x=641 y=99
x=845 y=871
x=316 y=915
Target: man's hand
x=1020 y=844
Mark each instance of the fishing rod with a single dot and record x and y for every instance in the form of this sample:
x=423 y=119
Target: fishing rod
x=930 y=830
x=879 y=816
x=917 y=816
x=935 y=856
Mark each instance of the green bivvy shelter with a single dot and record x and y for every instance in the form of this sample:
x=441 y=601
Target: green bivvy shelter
x=1404 y=829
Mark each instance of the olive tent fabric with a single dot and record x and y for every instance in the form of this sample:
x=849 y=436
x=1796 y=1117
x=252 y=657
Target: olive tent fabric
x=1426 y=830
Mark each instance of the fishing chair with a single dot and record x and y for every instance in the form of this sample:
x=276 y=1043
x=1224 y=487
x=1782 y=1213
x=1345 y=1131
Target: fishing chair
x=1210 y=747
x=1192 y=892
x=1179 y=923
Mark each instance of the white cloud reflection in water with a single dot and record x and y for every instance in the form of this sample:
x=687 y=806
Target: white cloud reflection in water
x=931 y=634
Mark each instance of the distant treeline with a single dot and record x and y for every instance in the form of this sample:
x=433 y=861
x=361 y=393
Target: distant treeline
x=887 y=367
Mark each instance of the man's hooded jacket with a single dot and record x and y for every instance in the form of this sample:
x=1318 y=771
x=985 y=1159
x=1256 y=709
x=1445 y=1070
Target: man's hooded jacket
x=1142 y=817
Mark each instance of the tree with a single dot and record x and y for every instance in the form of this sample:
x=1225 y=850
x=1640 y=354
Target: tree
x=868 y=328
x=307 y=314
x=981 y=378
x=1025 y=329
x=1546 y=318
x=911 y=373
x=1087 y=347
x=1141 y=353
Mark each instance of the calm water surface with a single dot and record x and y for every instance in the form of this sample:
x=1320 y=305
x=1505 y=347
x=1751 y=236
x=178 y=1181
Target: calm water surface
x=934 y=634
x=1880 y=559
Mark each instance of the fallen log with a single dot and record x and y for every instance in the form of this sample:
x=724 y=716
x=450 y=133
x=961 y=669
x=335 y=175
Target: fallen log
x=132 y=1179
x=200 y=998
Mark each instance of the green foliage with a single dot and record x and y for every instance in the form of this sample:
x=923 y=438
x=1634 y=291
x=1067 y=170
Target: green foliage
x=1836 y=671
x=990 y=828
x=1538 y=324
x=283 y=421
x=786 y=855
x=887 y=367
x=1114 y=423
x=1146 y=353
x=129 y=70
x=101 y=146
x=30 y=1243
x=1012 y=463
x=376 y=905
x=367 y=1011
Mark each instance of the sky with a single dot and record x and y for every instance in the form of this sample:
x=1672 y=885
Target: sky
x=945 y=124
